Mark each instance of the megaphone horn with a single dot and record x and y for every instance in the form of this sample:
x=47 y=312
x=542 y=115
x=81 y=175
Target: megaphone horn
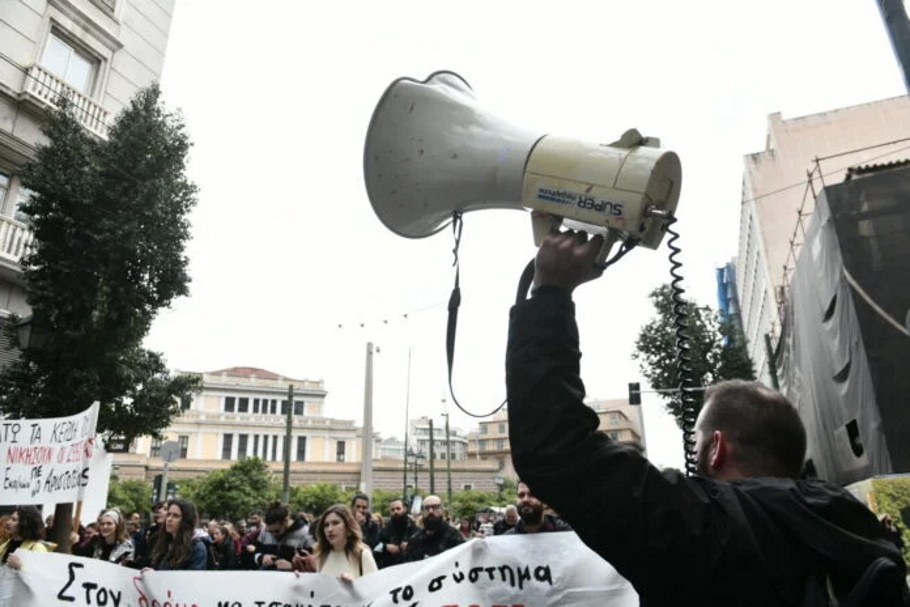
x=431 y=150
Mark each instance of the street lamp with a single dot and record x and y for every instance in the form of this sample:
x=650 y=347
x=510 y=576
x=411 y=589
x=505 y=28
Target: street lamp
x=33 y=335
x=499 y=483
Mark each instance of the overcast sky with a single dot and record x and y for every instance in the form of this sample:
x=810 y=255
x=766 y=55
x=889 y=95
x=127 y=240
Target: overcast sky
x=277 y=97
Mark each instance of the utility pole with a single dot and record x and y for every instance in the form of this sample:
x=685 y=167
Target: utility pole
x=366 y=466
x=289 y=425
x=448 y=464
x=894 y=14
x=407 y=403
x=432 y=462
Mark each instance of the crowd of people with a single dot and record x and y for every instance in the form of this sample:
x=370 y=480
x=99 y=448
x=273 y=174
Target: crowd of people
x=344 y=541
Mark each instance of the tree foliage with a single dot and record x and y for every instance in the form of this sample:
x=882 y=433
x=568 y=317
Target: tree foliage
x=717 y=351
x=317 y=497
x=892 y=497
x=110 y=225
x=129 y=496
x=468 y=502
x=233 y=493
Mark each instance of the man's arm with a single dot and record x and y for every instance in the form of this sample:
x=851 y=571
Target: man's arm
x=652 y=528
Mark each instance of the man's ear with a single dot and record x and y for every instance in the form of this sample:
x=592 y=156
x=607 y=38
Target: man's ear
x=719 y=455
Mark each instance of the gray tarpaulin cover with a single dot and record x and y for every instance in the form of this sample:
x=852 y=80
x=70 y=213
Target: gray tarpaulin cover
x=843 y=358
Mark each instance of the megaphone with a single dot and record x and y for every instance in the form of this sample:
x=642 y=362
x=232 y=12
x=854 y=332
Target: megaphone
x=431 y=151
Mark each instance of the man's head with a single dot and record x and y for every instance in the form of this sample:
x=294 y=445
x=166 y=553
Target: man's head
x=511 y=515
x=747 y=430
x=360 y=503
x=433 y=513
x=530 y=509
x=255 y=519
x=277 y=519
x=397 y=510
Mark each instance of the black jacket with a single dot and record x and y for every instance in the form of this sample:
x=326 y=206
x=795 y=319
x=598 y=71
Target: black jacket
x=395 y=534
x=424 y=545
x=680 y=541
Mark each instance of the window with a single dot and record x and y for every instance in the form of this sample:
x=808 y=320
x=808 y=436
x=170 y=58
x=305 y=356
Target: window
x=242 y=440
x=339 y=451
x=255 y=405
x=502 y=428
x=500 y=444
x=274 y=406
x=229 y=404
x=226 y=445
x=284 y=407
x=4 y=188
x=301 y=448
x=468 y=486
x=255 y=445
x=184 y=442
x=155 y=451
x=483 y=445
x=71 y=65
x=186 y=402
x=274 y=448
x=483 y=428
x=21 y=198
x=265 y=447
x=243 y=405
x=298 y=407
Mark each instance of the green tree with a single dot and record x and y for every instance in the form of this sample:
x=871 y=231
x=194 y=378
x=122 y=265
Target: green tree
x=317 y=497
x=232 y=493
x=110 y=224
x=468 y=502
x=717 y=351
x=129 y=496
x=892 y=497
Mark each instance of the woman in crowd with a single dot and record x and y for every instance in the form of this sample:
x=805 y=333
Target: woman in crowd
x=223 y=548
x=465 y=528
x=111 y=543
x=175 y=547
x=25 y=530
x=339 y=549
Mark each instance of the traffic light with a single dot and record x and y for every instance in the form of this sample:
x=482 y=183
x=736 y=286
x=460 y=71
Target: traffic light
x=634 y=393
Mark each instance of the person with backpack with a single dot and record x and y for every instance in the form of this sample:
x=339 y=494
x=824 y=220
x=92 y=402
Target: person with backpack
x=745 y=530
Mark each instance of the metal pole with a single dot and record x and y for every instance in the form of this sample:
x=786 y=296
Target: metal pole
x=289 y=426
x=432 y=462
x=448 y=464
x=162 y=490
x=894 y=14
x=407 y=403
x=366 y=465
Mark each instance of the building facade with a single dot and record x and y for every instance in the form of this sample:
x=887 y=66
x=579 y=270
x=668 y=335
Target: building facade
x=618 y=419
x=777 y=197
x=100 y=53
x=242 y=412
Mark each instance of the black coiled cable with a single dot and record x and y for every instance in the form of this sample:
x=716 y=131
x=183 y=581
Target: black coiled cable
x=687 y=400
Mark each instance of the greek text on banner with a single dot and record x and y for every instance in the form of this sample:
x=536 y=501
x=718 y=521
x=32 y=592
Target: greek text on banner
x=512 y=570
x=46 y=460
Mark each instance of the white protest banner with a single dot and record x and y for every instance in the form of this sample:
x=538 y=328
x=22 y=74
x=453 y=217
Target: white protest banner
x=94 y=500
x=46 y=460
x=504 y=571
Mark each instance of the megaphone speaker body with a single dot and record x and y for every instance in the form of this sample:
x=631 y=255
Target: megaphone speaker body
x=431 y=151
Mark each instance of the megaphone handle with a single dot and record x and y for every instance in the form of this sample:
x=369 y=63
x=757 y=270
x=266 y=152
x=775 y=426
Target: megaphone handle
x=542 y=224
x=609 y=240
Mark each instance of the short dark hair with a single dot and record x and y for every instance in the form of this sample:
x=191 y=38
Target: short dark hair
x=360 y=496
x=768 y=436
x=276 y=512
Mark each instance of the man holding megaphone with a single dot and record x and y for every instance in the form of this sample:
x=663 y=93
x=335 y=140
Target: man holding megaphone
x=744 y=531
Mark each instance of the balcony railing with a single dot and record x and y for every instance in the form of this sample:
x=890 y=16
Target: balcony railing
x=14 y=239
x=47 y=88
